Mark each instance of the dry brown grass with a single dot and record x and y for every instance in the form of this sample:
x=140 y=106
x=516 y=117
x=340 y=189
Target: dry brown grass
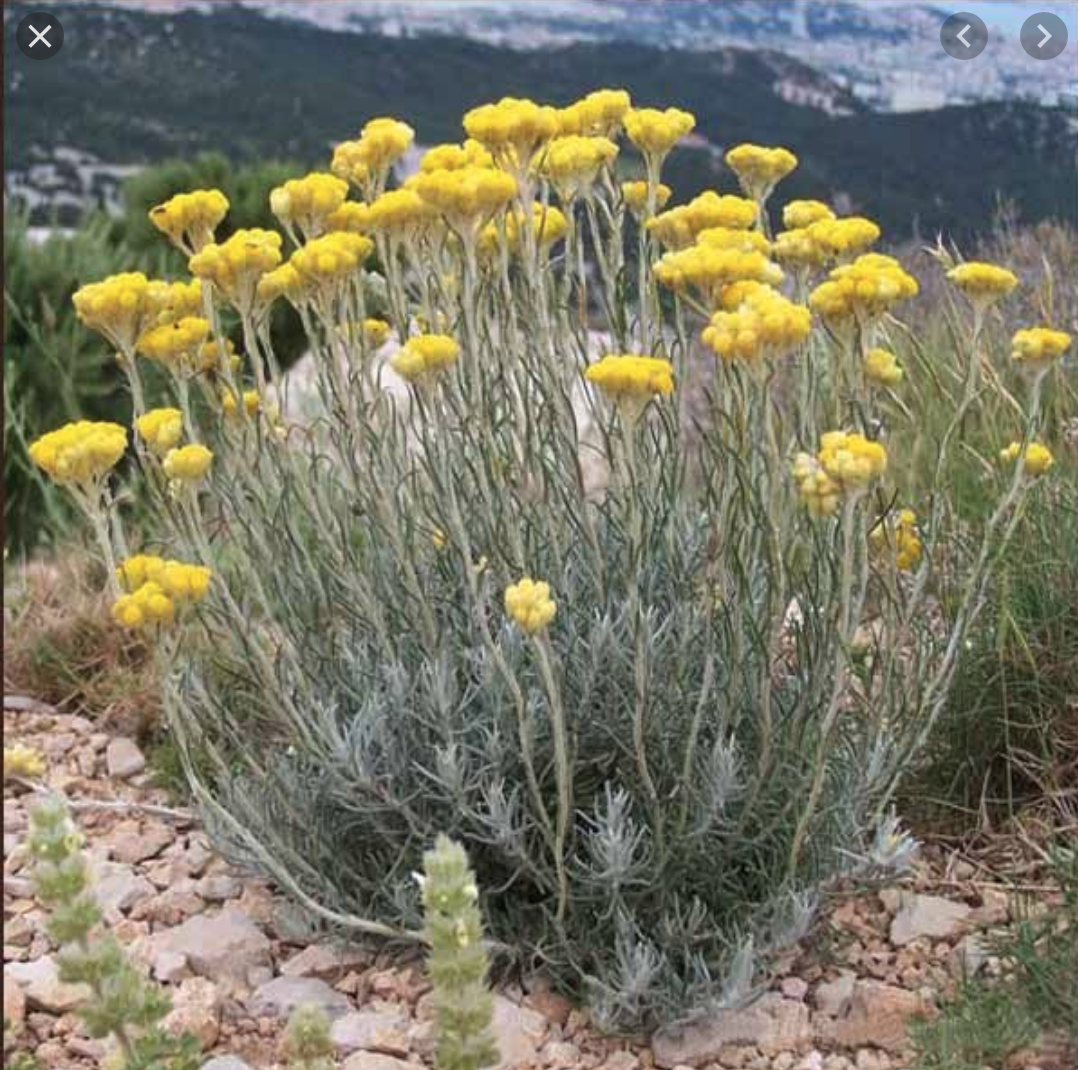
x=61 y=647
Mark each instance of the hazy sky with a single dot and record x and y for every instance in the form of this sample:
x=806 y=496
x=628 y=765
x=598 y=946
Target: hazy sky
x=1012 y=13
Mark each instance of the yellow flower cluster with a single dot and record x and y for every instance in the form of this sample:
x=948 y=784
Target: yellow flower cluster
x=332 y=259
x=424 y=355
x=842 y=238
x=455 y=157
x=144 y=608
x=375 y=332
x=797 y=215
x=635 y=195
x=80 y=453
x=400 y=213
x=23 y=761
x=236 y=265
x=284 y=281
x=352 y=216
x=548 y=226
x=178 y=346
x=1038 y=458
x=655 y=131
x=764 y=326
x=709 y=270
x=1037 y=348
x=797 y=249
x=530 y=605
x=466 y=197
x=122 y=307
x=381 y=143
x=901 y=536
x=187 y=463
x=744 y=241
x=982 y=283
x=180 y=299
x=760 y=169
x=630 y=377
x=512 y=130
x=599 y=114
x=309 y=202
x=882 y=368
x=160 y=429
x=866 y=289
x=189 y=219
x=818 y=491
x=679 y=227
x=252 y=402
x=850 y=459
x=572 y=163
x=177 y=579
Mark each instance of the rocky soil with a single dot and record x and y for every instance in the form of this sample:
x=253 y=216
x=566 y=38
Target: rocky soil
x=229 y=953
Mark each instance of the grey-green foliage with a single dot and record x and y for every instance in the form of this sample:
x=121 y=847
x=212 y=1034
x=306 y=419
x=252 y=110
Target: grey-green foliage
x=307 y=1043
x=458 y=962
x=122 y=1004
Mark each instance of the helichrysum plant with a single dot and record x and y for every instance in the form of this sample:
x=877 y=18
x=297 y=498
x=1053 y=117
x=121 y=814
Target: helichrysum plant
x=122 y=1005
x=307 y=1043
x=657 y=655
x=457 y=961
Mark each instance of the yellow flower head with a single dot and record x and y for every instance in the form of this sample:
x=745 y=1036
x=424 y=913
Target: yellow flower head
x=797 y=249
x=882 y=368
x=187 y=463
x=573 y=163
x=549 y=225
x=384 y=141
x=819 y=492
x=284 y=281
x=252 y=403
x=529 y=603
x=982 y=283
x=122 y=307
x=636 y=197
x=400 y=213
x=178 y=346
x=424 y=355
x=1037 y=348
x=843 y=238
x=599 y=114
x=797 y=215
x=632 y=378
x=147 y=607
x=183 y=583
x=710 y=269
x=899 y=536
x=679 y=227
x=308 y=203
x=160 y=429
x=332 y=261
x=655 y=132
x=455 y=157
x=865 y=289
x=236 y=265
x=466 y=197
x=764 y=326
x=1038 y=458
x=179 y=300
x=850 y=459
x=189 y=219
x=760 y=169
x=375 y=332
x=80 y=453
x=512 y=130
x=23 y=761
x=352 y=216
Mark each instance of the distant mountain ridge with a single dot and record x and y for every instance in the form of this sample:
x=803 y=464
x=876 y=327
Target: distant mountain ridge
x=130 y=88
x=887 y=52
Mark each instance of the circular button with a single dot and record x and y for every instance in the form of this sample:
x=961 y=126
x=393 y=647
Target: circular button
x=40 y=35
x=1044 y=35
x=964 y=36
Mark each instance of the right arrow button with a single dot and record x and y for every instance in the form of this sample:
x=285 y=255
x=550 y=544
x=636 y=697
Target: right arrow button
x=1044 y=35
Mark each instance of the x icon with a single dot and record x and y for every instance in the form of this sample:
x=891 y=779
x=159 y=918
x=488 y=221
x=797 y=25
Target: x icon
x=40 y=36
